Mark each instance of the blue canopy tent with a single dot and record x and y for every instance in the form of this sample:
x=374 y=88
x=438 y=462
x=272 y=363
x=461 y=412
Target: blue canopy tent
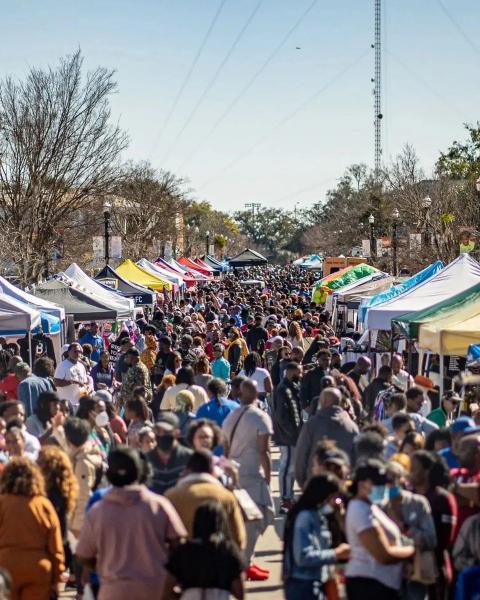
x=397 y=290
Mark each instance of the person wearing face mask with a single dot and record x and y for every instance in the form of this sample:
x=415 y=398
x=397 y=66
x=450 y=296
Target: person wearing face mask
x=413 y=515
x=169 y=459
x=308 y=555
x=376 y=551
x=287 y=423
x=94 y=411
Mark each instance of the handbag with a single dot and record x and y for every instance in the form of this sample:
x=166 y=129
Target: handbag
x=250 y=510
x=424 y=567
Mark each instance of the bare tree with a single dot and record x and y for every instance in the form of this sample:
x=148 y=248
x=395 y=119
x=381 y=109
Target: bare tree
x=58 y=152
x=147 y=208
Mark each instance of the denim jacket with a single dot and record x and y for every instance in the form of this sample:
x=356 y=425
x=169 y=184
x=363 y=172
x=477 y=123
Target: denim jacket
x=311 y=548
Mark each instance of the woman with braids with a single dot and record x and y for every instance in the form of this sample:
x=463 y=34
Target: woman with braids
x=61 y=487
x=210 y=564
x=31 y=548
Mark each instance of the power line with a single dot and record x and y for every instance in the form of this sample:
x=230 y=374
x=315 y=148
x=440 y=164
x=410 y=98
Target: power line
x=213 y=79
x=304 y=190
x=286 y=119
x=189 y=74
x=426 y=85
x=250 y=82
x=458 y=27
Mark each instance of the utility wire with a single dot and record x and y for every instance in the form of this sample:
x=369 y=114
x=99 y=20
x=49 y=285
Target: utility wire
x=212 y=81
x=250 y=82
x=458 y=27
x=189 y=74
x=426 y=85
x=285 y=120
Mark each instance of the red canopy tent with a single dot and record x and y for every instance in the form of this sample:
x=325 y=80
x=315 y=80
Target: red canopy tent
x=189 y=279
x=191 y=266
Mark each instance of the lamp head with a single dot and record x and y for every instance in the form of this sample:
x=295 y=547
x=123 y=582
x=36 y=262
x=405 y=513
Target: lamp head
x=371 y=219
x=395 y=214
x=427 y=202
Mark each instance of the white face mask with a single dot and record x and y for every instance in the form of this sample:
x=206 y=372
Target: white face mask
x=102 y=420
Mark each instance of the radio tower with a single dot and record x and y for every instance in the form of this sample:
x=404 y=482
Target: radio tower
x=377 y=91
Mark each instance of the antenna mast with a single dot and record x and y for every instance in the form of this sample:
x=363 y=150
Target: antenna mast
x=377 y=91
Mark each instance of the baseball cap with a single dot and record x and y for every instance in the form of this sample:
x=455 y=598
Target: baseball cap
x=168 y=421
x=461 y=424
x=451 y=395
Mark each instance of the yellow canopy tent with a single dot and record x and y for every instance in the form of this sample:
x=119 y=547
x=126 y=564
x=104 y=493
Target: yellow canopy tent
x=132 y=272
x=452 y=335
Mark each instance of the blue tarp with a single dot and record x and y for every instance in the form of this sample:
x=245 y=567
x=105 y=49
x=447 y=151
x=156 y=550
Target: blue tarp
x=473 y=353
x=397 y=290
x=50 y=324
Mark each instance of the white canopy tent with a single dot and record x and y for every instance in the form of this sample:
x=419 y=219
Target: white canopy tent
x=461 y=274
x=18 y=318
x=37 y=303
x=163 y=273
x=125 y=307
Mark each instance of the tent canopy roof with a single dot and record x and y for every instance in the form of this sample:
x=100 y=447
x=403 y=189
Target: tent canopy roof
x=247 y=258
x=372 y=284
x=133 y=272
x=409 y=324
x=159 y=271
x=42 y=305
x=453 y=338
x=461 y=274
x=81 y=305
x=399 y=289
x=140 y=294
x=108 y=297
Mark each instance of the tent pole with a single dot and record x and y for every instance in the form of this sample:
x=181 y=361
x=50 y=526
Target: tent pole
x=30 y=354
x=409 y=360
x=441 y=374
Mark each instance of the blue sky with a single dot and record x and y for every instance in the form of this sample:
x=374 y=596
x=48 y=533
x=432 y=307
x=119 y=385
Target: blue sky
x=306 y=117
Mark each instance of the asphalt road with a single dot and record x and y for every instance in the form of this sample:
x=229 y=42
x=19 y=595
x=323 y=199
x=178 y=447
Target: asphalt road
x=268 y=553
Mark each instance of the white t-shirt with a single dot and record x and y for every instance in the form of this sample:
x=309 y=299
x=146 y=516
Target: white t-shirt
x=258 y=376
x=71 y=372
x=361 y=516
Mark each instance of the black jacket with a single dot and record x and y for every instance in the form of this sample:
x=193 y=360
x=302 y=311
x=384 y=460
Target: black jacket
x=286 y=414
x=311 y=388
x=254 y=336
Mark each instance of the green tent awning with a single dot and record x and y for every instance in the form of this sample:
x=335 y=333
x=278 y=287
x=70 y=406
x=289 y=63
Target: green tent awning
x=409 y=324
x=355 y=274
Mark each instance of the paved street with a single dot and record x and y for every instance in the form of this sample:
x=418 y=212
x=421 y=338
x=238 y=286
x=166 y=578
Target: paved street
x=269 y=554
x=269 y=551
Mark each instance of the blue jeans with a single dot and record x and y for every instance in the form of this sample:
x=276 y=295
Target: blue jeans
x=286 y=472
x=303 y=589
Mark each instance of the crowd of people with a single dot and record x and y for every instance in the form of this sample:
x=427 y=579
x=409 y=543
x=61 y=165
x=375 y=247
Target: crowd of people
x=140 y=465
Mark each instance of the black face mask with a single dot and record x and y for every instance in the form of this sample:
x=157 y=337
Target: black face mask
x=165 y=442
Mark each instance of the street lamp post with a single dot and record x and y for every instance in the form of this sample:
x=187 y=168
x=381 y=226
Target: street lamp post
x=371 y=220
x=426 y=204
x=207 y=234
x=106 y=223
x=395 y=216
